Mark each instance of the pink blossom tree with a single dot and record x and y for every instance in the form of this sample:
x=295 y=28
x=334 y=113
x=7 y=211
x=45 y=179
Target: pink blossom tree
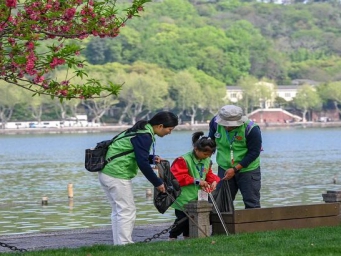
x=59 y=24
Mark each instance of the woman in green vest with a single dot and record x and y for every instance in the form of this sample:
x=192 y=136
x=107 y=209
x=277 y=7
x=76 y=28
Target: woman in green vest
x=132 y=147
x=193 y=172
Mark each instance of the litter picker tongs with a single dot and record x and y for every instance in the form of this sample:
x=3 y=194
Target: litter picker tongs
x=218 y=212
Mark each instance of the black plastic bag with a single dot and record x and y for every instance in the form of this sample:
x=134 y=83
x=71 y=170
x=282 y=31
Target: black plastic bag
x=222 y=197
x=162 y=201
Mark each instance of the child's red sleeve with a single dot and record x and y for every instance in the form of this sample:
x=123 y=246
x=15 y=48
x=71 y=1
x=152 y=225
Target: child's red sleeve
x=211 y=177
x=180 y=171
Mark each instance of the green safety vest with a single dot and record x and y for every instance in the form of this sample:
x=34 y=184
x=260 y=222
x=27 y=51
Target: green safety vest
x=124 y=167
x=237 y=138
x=195 y=167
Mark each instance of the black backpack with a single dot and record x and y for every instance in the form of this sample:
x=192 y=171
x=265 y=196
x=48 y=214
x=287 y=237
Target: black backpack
x=95 y=157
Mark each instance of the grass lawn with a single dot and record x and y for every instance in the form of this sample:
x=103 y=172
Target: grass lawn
x=317 y=241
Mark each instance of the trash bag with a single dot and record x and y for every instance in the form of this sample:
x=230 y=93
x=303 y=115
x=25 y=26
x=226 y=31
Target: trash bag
x=222 y=197
x=162 y=201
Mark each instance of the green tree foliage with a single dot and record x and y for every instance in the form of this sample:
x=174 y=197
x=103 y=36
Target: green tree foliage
x=188 y=94
x=211 y=44
x=331 y=91
x=178 y=10
x=307 y=99
x=248 y=85
x=144 y=91
x=213 y=91
x=98 y=51
x=235 y=39
x=9 y=99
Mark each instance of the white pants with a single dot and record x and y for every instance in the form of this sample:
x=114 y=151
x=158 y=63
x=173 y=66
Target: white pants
x=120 y=195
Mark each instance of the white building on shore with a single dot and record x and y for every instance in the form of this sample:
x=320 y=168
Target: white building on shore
x=286 y=92
x=77 y=121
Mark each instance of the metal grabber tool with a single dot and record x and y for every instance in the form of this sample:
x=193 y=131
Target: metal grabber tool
x=218 y=212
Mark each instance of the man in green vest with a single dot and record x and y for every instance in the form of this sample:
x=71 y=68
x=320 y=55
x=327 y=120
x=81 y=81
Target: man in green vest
x=239 y=143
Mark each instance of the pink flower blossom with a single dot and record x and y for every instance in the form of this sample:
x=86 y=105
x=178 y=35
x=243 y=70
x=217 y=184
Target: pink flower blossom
x=63 y=92
x=66 y=82
x=69 y=14
x=36 y=21
x=11 y=41
x=38 y=79
x=11 y=3
x=65 y=28
x=30 y=45
x=30 y=67
x=34 y=16
x=45 y=85
x=56 y=61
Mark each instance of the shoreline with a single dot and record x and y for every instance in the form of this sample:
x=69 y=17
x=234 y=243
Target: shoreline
x=182 y=127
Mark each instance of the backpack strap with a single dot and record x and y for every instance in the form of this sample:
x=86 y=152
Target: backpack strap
x=122 y=153
x=118 y=155
x=248 y=127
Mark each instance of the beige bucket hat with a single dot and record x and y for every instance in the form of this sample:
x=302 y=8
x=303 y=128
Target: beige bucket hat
x=230 y=115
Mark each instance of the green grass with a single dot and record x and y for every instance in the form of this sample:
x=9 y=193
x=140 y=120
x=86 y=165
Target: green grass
x=318 y=241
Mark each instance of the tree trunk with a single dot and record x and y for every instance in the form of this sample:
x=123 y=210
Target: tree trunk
x=124 y=113
x=304 y=113
x=193 y=114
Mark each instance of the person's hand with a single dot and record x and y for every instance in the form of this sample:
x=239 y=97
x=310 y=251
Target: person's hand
x=213 y=185
x=203 y=184
x=161 y=188
x=157 y=159
x=229 y=174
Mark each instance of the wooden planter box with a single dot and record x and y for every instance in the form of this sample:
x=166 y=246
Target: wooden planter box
x=275 y=218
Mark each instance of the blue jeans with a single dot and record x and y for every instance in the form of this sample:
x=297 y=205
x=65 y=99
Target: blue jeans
x=249 y=184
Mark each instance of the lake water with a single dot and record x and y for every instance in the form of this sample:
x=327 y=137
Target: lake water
x=298 y=165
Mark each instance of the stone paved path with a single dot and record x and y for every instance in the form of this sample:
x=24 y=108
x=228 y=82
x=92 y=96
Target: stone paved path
x=77 y=238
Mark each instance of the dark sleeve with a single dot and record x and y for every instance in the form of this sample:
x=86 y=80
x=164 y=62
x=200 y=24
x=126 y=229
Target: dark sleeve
x=151 y=159
x=142 y=144
x=212 y=128
x=254 y=146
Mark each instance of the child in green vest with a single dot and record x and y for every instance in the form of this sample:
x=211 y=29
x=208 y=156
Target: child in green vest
x=193 y=172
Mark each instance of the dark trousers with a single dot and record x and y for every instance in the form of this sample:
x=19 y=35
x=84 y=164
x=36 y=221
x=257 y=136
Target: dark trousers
x=180 y=228
x=249 y=184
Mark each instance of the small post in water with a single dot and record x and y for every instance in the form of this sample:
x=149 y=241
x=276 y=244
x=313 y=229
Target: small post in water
x=44 y=200
x=70 y=190
x=149 y=192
